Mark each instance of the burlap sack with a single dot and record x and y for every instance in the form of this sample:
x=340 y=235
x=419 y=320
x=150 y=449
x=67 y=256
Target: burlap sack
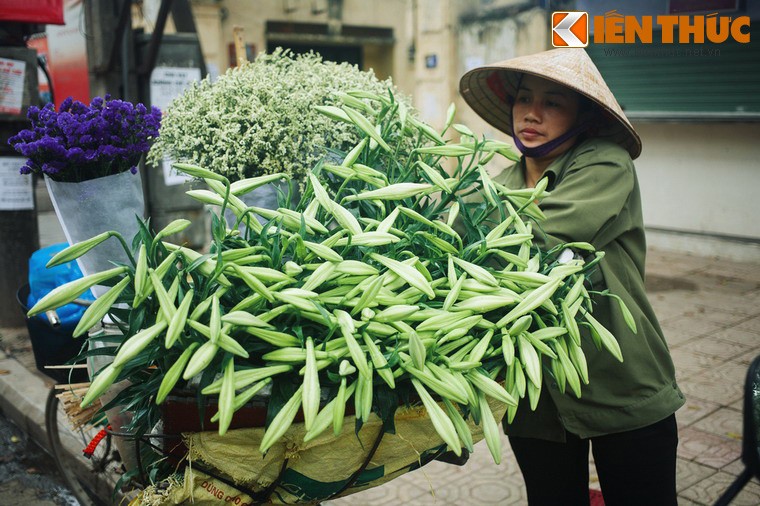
x=315 y=471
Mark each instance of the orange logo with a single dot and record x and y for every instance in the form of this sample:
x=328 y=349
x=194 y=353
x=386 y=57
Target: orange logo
x=569 y=29
x=614 y=28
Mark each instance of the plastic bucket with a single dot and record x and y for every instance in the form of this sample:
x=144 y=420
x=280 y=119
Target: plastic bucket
x=51 y=345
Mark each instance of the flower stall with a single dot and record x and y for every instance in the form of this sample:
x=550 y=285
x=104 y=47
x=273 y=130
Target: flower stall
x=392 y=309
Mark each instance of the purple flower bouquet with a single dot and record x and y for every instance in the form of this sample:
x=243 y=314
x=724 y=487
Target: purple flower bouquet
x=80 y=142
x=86 y=154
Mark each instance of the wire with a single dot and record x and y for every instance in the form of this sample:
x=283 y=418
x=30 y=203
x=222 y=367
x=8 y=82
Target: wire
x=42 y=63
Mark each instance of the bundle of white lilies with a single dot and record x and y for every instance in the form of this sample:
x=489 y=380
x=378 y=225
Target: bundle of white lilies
x=391 y=281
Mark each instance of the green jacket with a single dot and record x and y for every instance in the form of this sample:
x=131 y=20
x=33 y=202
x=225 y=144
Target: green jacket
x=595 y=198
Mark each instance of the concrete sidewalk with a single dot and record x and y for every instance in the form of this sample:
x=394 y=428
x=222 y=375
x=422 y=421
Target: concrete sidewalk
x=23 y=395
x=710 y=311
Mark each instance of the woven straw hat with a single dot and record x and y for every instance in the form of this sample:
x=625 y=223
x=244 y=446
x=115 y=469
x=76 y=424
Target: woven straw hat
x=490 y=90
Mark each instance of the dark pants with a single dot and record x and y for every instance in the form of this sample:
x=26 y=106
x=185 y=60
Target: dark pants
x=635 y=468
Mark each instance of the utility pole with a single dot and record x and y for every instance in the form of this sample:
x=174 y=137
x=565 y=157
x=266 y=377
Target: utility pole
x=18 y=217
x=110 y=53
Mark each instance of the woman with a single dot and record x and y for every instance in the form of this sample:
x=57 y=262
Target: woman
x=569 y=128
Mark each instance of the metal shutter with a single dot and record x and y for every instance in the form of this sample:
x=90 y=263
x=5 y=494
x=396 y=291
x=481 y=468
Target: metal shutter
x=684 y=81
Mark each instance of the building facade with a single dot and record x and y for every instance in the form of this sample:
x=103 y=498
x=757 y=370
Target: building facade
x=698 y=116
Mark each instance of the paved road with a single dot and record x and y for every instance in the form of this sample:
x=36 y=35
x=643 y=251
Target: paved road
x=27 y=474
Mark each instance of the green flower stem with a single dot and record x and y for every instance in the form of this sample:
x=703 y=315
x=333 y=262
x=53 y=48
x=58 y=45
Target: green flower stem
x=126 y=248
x=342 y=187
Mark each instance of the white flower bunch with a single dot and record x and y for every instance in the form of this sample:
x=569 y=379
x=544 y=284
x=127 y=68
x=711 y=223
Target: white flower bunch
x=260 y=118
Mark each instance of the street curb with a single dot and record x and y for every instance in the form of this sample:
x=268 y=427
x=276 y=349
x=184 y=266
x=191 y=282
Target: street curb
x=23 y=397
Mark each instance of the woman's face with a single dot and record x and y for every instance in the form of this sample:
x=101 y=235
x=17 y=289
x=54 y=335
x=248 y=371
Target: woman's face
x=543 y=111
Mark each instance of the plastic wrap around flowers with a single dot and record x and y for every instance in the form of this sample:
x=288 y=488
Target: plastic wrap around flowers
x=80 y=142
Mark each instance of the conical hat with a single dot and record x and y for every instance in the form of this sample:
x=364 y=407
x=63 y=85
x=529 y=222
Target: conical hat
x=490 y=91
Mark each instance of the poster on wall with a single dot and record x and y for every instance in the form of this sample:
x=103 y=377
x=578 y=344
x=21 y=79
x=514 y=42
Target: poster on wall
x=166 y=84
x=68 y=55
x=12 y=73
x=16 y=191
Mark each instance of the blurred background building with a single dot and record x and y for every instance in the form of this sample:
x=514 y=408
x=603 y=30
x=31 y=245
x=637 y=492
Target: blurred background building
x=696 y=105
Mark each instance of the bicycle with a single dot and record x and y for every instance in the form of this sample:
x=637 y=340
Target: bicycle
x=66 y=442
x=90 y=478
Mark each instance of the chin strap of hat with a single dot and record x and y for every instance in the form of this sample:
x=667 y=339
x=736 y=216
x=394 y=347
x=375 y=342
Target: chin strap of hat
x=547 y=147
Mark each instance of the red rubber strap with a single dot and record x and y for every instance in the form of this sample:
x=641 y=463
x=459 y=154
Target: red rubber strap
x=94 y=443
